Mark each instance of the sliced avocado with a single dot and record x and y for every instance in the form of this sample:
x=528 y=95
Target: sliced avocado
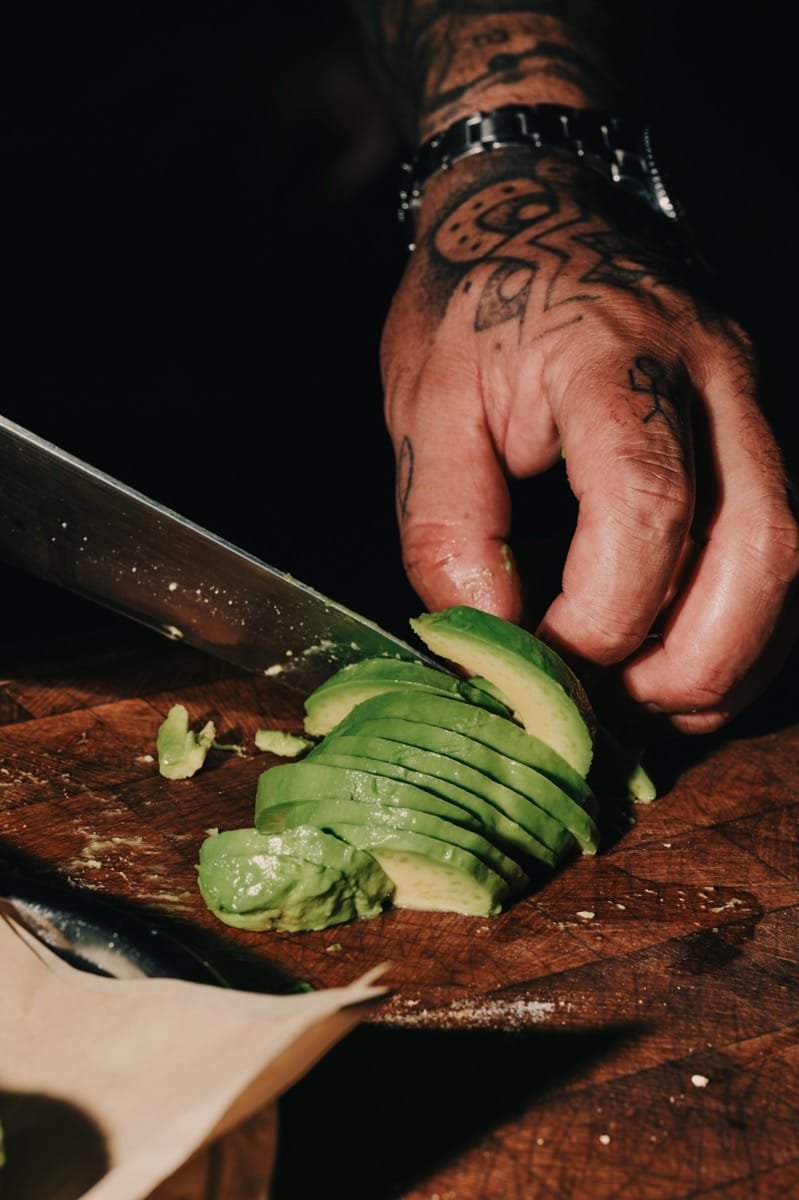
x=505 y=736
x=309 y=844
x=505 y=834
x=513 y=819
x=258 y=883
x=428 y=873
x=492 y=762
x=324 y=793
x=357 y=681
x=545 y=694
x=181 y=751
x=279 y=786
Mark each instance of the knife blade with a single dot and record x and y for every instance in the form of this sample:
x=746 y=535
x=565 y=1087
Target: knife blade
x=71 y=524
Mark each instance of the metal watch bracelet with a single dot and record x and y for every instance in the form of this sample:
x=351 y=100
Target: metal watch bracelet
x=620 y=148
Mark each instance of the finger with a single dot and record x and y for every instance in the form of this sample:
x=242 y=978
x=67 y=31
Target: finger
x=453 y=505
x=629 y=457
x=736 y=616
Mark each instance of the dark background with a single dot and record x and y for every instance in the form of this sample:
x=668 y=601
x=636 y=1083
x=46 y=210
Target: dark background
x=200 y=246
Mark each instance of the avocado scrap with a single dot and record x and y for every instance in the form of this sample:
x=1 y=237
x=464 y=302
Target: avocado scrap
x=181 y=751
x=285 y=745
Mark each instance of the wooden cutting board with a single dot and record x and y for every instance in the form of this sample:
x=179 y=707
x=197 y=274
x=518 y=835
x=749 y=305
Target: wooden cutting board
x=628 y=1030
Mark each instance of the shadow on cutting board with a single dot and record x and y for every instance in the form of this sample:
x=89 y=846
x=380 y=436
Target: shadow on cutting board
x=389 y=1107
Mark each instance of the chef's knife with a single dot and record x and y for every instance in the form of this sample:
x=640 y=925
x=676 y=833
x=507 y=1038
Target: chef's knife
x=70 y=524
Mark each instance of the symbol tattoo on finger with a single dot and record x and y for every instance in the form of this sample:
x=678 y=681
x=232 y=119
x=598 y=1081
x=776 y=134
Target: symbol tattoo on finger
x=404 y=475
x=649 y=377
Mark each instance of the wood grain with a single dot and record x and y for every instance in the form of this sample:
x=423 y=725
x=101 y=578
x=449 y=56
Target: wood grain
x=627 y=1030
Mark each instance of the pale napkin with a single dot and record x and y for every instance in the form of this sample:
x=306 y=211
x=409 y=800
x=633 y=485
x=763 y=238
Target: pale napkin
x=161 y=1066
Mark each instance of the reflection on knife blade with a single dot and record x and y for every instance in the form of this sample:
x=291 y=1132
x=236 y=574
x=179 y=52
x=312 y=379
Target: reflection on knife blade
x=71 y=524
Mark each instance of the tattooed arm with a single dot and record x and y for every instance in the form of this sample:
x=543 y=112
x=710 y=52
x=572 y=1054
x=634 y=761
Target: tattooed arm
x=540 y=316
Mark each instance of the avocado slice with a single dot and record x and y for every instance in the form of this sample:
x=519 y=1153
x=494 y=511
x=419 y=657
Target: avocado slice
x=426 y=872
x=491 y=760
x=505 y=736
x=314 y=794
x=512 y=818
x=255 y=882
x=309 y=844
x=545 y=694
x=505 y=834
x=333 y=699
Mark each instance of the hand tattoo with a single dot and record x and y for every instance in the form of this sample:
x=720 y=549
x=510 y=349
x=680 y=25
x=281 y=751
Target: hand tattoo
x=404 y=475
x=527 y=230
x=649 y=377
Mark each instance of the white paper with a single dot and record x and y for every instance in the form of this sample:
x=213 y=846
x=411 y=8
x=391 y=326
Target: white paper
x=162 y=1066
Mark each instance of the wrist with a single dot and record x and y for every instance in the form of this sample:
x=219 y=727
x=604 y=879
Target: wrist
x=614 y=147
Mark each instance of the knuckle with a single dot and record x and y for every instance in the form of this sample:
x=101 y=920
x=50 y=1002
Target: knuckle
x=651 y=496
x=608 y=635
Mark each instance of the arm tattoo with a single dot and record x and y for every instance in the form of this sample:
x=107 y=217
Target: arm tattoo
x=511 y=65
x=436 y=54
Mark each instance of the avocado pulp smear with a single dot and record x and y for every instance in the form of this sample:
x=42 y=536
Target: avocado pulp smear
x=416 y=788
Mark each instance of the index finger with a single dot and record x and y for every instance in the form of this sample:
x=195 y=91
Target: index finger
x=453 y=505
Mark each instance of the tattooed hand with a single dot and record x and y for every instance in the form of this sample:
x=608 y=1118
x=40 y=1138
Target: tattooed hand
x=528 y=327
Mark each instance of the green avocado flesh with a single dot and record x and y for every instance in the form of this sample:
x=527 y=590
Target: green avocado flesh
x=300 y=880
x=510 y=819
x=420 y=789
x=428 y=873
x=181 y=752
x=319 y=794
x=537 y=684
x=475 y=723
x=333 y=699
x=565 y=813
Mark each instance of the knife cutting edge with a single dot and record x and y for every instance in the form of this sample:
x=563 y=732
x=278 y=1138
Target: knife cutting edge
x=70 y=524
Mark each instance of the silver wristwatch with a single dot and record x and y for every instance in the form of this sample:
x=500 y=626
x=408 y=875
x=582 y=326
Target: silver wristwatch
x=621 y=149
